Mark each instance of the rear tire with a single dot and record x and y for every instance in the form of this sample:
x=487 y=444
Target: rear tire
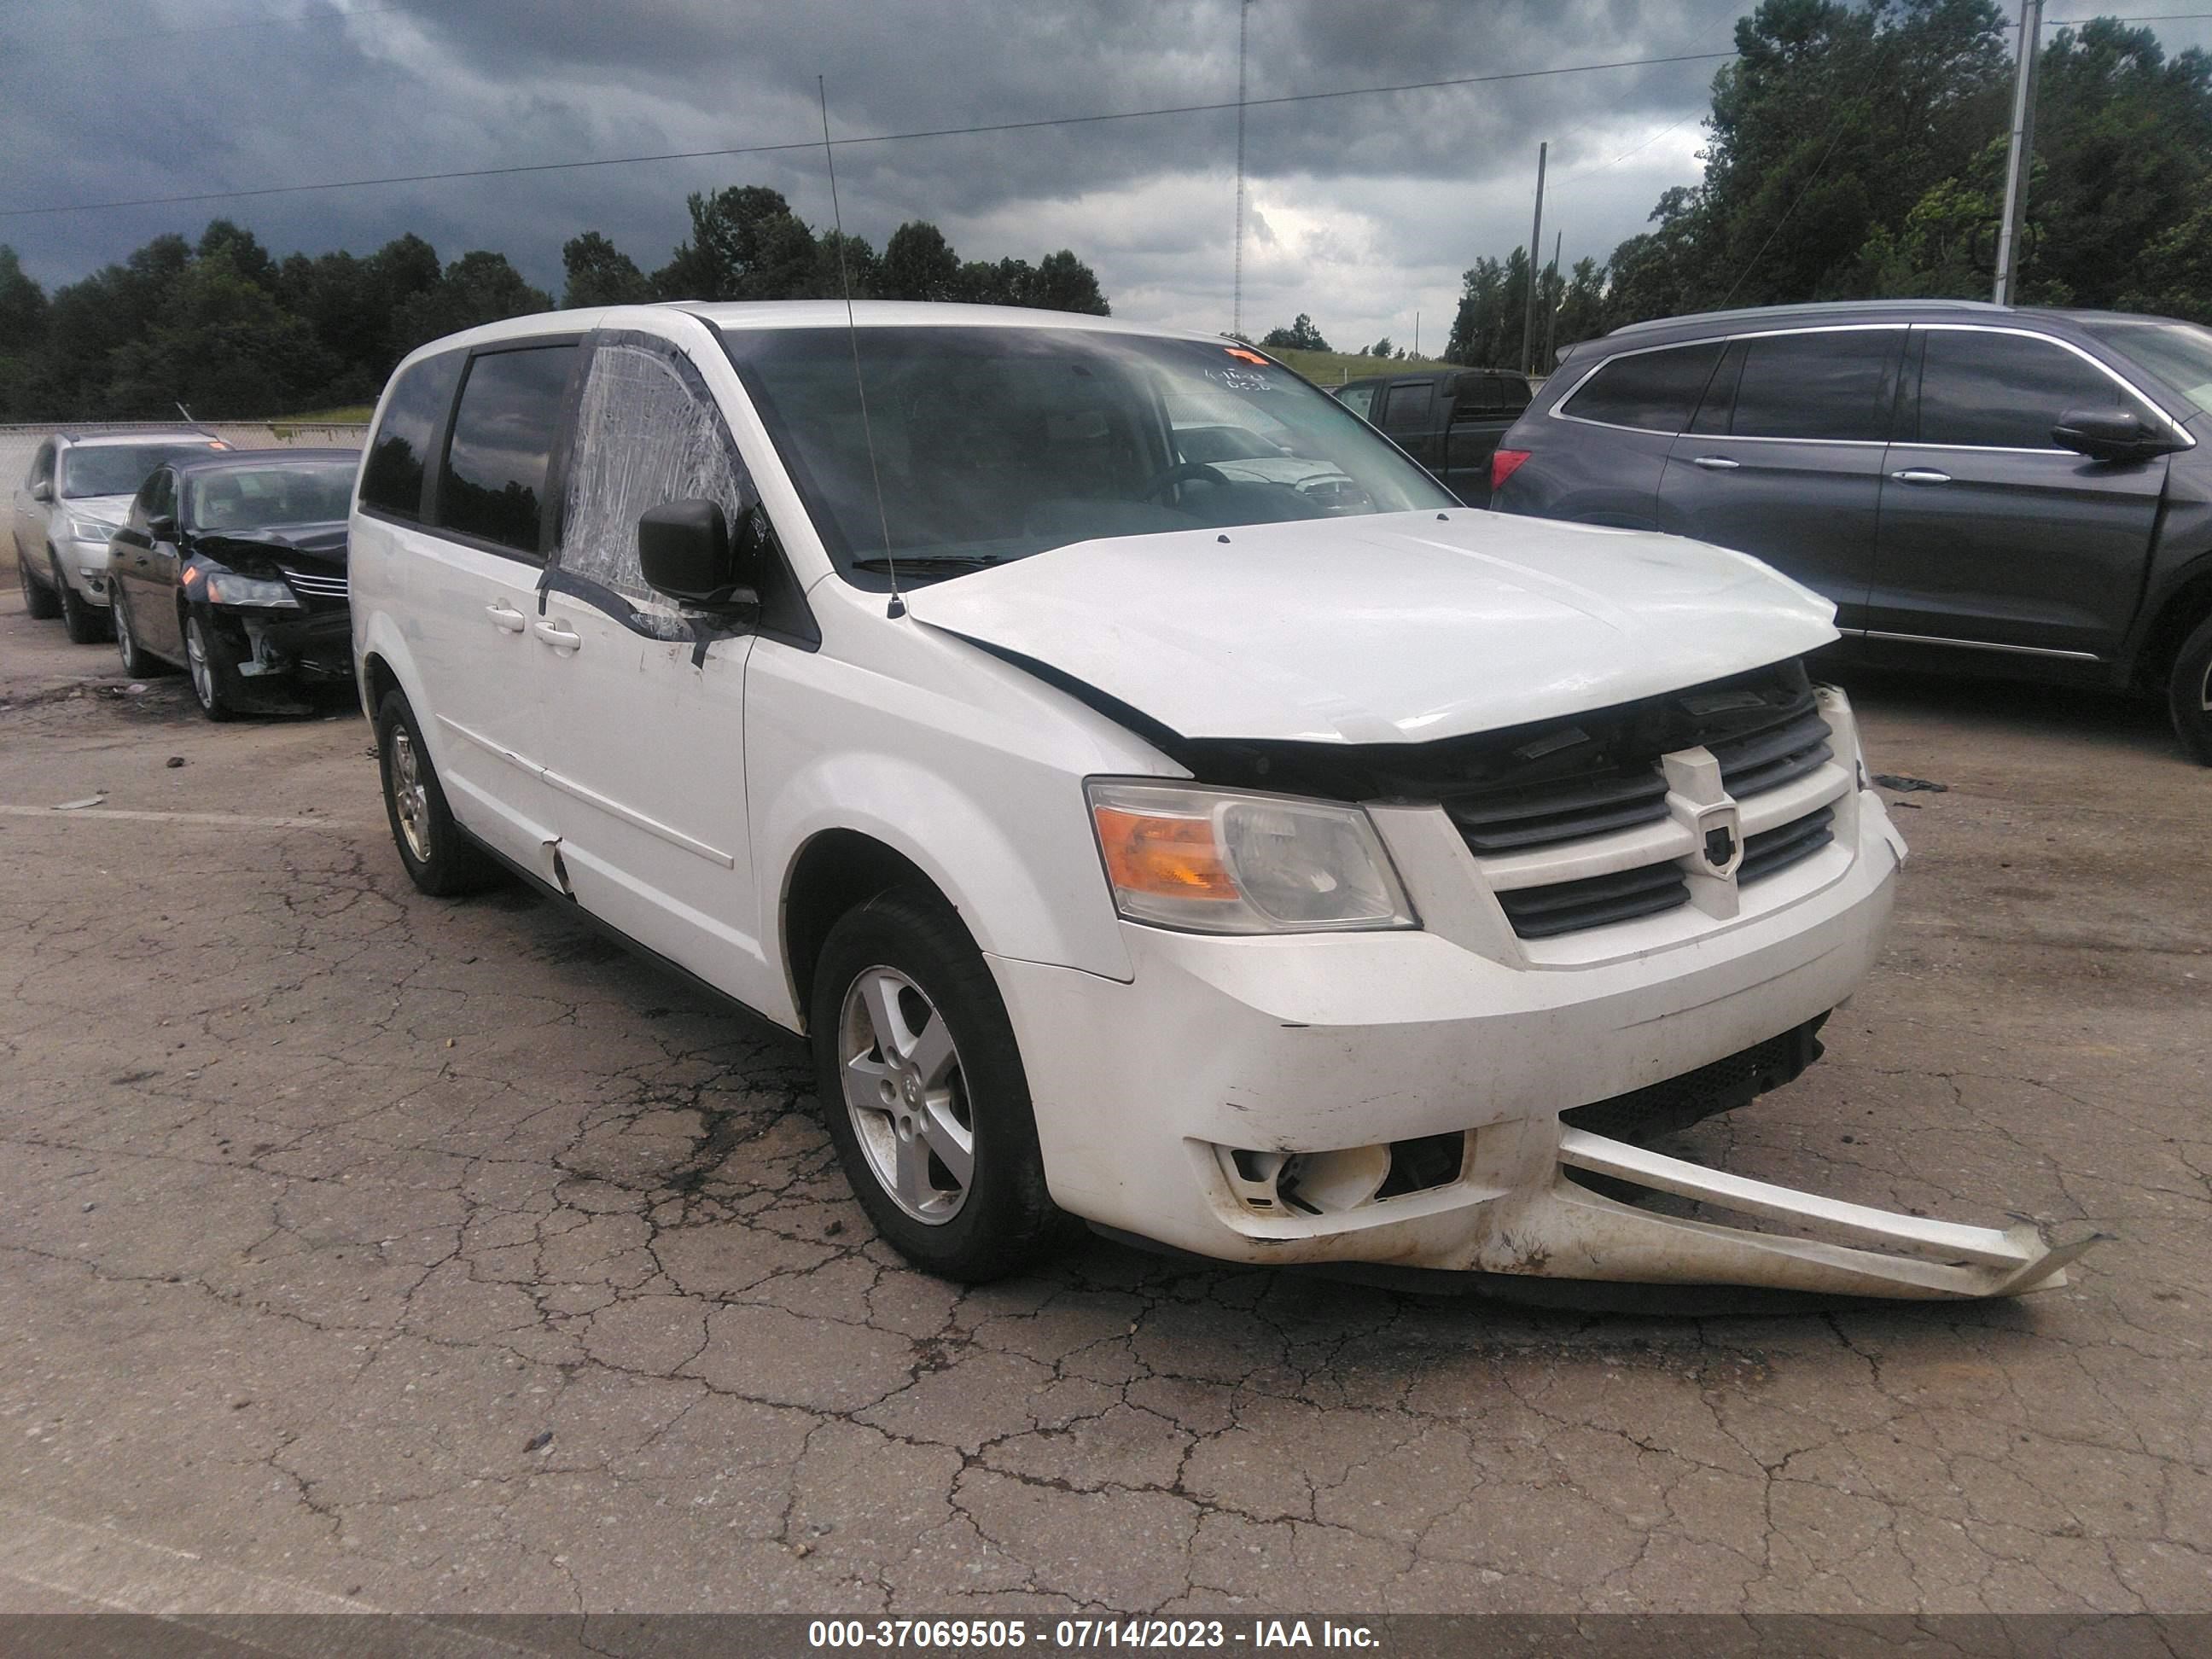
x=2189 y=693
x=40 y=601
x=86 y=622
x=439 y=858
x=938 y=1139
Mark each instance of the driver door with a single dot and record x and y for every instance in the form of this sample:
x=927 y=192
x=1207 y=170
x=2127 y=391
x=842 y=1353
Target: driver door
x=648 y=770
x=143 y=566
x=1992 y=535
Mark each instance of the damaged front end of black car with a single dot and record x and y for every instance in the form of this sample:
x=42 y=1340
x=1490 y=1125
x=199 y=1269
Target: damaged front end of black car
x=266 y=618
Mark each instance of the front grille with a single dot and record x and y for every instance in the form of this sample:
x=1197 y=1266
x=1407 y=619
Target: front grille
x=1572 y=811
x=1777 y=849
x=1569 y=780
x=314 y=585
x=1779 y=754
x=1572 y=780
x=1568 y=907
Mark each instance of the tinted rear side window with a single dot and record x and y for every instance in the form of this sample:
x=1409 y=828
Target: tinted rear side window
x=495 y=479
x=1408 y=407
x=2005 y=391
x=1816 y=386
x=399 y=453
x=1655 y=390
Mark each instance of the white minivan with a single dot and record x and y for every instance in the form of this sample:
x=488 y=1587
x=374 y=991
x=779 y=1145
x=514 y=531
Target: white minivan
x=1272 y=872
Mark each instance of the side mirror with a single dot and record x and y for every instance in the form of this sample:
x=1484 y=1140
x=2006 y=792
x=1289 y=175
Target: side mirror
x=42 y=491
x=685 y=551
x=163 y=528
x=2108 y=434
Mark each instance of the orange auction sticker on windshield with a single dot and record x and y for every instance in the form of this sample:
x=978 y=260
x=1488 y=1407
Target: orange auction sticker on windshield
x=1246 y=356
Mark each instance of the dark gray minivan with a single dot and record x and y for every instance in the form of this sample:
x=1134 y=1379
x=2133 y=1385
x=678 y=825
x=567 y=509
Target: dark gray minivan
x=1980 y=487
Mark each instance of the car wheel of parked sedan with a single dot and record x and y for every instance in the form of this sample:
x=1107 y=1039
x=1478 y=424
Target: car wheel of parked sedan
x=40 y=600
x=86 y=622
x=924 y=1093
x=210 y=667
x=135 y=662
x=2189 y=693
x=439 y=858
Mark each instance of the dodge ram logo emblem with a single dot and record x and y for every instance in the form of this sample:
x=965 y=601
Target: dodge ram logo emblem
x=1720 y=840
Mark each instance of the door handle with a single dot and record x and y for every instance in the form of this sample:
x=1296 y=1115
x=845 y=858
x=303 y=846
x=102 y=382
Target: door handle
x=505 y=615
x=1921 y=475
x=560 y=636
x=1715 y=463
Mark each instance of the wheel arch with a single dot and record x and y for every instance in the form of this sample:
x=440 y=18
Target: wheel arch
x=2187 y=604
x=834 y=872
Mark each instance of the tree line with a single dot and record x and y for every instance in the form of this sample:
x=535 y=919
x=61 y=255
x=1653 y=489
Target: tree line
x=225 y=328
x=1859 y=152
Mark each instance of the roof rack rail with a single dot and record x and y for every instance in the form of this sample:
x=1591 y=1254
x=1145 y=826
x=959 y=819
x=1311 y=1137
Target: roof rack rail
x=1845 y=307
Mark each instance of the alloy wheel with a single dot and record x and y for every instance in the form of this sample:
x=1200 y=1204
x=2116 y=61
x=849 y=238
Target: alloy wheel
x=196 y=658
x=411 y=794
x=905 y=1095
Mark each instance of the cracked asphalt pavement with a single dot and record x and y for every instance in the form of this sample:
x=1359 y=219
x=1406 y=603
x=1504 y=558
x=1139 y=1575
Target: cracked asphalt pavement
x=365 y=1250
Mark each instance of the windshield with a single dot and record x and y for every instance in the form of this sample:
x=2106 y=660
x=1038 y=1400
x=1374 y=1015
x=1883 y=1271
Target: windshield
x=119 y=469
x=992 y=444
x=254 y=498
x=2179 y=354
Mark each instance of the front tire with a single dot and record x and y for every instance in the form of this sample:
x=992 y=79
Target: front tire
x=136 y=664
x=924 y=1093
x=86 y=622
x=2189 y=693
x=41 y=602
x=439 y=858
x=210 y=667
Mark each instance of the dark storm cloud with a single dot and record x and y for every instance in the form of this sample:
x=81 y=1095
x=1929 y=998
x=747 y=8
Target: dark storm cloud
x=1375 y=201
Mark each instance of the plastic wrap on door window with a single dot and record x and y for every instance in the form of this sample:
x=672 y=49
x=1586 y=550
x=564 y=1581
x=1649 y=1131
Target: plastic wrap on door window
x=643 y=440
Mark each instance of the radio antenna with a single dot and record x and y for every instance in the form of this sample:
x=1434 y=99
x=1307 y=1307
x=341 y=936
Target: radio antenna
x=897 y=607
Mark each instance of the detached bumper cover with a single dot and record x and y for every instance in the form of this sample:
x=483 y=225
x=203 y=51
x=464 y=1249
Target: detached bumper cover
x=1393 y=1100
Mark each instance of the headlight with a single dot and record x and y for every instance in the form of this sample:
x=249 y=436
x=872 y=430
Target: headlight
x=228 y=587
x=1217 y=861
x=91 y=529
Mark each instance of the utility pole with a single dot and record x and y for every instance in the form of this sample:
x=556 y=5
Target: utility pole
x=2015 y=224
x=1236 y=305
x=1535 y=237
x=1416 y=333
x=1552 y=326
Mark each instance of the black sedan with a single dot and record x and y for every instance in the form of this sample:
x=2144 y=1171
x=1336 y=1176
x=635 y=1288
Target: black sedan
x=232 y=568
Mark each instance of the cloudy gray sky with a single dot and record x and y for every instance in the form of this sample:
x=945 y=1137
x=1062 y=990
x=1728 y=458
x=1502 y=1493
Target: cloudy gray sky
x=1361 y=210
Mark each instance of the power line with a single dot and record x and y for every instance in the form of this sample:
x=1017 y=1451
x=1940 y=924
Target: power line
x=874 y=139
x=2139 y=18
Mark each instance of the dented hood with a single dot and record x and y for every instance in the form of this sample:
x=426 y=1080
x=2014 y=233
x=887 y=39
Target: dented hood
x=1398 y=628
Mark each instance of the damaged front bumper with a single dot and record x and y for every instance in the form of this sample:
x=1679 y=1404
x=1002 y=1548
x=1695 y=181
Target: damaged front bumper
x=1395 y=1101
x=272 y=650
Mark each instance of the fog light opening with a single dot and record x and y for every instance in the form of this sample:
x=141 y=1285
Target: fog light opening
x=1338 y=1182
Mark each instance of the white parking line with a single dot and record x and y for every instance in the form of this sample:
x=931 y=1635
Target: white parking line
x=227 y=820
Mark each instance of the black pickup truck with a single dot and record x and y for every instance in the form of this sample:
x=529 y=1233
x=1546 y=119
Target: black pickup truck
x=1449 y=420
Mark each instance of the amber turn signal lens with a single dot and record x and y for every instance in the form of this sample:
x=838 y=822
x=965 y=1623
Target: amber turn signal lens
x=1169 y=857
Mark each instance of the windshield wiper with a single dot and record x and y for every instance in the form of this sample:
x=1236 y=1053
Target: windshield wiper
x=946 y=562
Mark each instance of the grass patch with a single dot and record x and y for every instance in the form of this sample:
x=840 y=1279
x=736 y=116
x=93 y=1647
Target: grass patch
x=1328 y=369
x=350 y=415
